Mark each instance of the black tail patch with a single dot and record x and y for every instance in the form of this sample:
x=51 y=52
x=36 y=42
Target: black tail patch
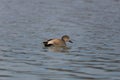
x=46 y=44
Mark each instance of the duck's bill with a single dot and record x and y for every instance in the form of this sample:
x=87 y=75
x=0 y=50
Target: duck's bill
x=70 y=41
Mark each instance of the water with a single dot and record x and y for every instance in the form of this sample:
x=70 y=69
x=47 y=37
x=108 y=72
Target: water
x=93 y=25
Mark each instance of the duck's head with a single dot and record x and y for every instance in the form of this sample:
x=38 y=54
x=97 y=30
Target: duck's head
x=66 y=38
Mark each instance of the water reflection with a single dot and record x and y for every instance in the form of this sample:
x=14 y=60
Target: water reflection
x=59 y=49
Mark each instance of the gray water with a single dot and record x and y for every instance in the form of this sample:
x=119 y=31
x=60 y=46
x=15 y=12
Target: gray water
x=93 y=25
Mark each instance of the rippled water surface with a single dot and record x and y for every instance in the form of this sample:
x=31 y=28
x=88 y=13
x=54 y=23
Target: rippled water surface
x=93 y=25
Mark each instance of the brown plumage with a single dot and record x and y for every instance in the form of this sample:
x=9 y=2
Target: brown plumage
x=57 y=42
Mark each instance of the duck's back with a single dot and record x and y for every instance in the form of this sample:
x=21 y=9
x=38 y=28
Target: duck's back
x=57 y=42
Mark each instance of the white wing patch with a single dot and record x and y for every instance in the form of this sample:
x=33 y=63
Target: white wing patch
x=50 y=42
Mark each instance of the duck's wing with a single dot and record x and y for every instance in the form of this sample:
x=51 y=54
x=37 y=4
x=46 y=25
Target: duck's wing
x=46 y=43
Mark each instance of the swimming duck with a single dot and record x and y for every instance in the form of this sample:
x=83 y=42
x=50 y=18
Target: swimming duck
x=57 y=42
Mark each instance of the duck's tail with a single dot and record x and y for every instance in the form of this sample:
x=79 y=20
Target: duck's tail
x=46 y=44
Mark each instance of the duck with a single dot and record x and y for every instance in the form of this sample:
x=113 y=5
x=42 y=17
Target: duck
x=57 y=42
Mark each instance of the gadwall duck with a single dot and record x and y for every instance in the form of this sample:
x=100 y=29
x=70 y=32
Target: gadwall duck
x=57 y=42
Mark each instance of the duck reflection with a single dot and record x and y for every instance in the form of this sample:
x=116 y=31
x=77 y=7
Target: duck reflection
x=59 y=49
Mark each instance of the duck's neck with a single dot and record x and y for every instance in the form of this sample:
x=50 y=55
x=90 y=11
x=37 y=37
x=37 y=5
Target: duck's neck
x=64 y=41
